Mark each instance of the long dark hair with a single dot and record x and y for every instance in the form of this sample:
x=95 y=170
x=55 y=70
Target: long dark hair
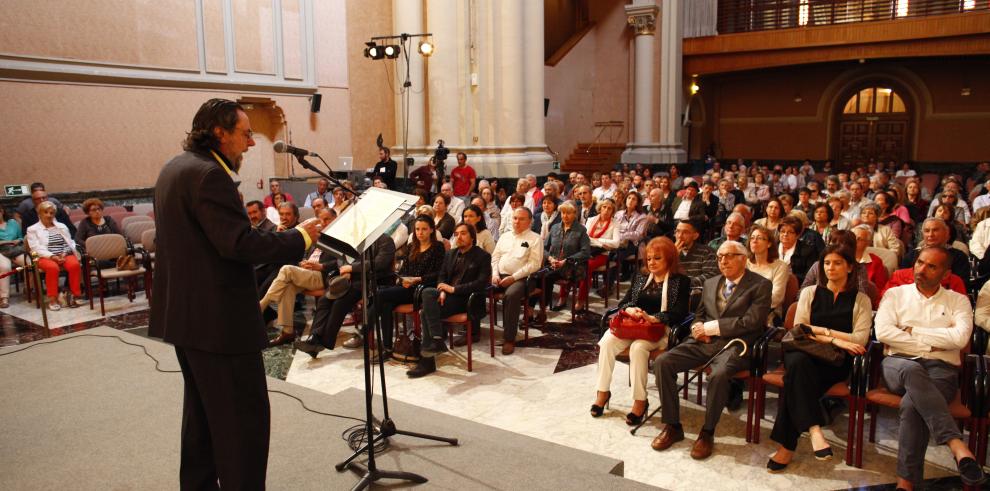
x=477 y=211
x=847 y=254
x=414 y=251
x=213 y=113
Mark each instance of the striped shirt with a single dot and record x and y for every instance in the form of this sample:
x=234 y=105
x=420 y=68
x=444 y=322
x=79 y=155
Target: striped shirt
x=699 y=264
x=56 y=243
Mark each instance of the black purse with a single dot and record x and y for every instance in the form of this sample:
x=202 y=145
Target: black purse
x=797 y=339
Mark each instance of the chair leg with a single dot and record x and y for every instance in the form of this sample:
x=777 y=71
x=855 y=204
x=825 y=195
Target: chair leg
x=750 y=409
x=686 y=396
x=860 y=414
x=851 y=433
x=469 y=328
x=701 y=378
x=103 y=308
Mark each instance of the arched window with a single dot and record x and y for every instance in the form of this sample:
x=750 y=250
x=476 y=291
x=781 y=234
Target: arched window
x=874 y=100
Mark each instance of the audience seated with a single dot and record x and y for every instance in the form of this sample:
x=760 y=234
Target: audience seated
x=30 y=216
x=689 y=207
x=56 y=250
x=604 y=235
x=518 y=254
x=734 y=304
x=421 y=267
x=923 y=328
x=473 y=216
x=839 y=315
x=322 y=193
x=256 y=214
x=512 y=204
x=697 y=259
x=630 y=222
x=547 y=217
x=11 y=253
x=798 y=254
x=735 y=226
x=765 y=262
x=935 y=233
x=445 y=222
x=658 y=293
x=876 y=272
x=568 y=248
x=883 y=236
x=466 y=269
x=28 y=205
x=821 y=220
x=94 y=223
x=274 y=189
x=774 y=213
x=493 y=217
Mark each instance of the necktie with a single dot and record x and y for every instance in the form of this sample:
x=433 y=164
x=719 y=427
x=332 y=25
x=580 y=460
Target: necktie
x=729 y=286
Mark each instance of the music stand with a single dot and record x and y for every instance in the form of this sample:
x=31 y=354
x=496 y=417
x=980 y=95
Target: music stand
x=352 y=235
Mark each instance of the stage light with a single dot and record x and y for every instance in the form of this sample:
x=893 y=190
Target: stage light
x=374 y=51
x=425 y=48
x=695 y=88
x=392 y=51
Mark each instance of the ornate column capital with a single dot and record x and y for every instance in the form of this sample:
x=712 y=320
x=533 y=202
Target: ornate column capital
x=643 y=18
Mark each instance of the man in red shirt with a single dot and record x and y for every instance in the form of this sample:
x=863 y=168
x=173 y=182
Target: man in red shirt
x=463 y=177
x=905 y=276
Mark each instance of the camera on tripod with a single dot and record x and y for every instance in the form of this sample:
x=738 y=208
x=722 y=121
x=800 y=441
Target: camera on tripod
x=439 y=158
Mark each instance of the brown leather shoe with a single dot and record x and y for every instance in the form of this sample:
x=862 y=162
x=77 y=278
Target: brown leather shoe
x=702 y=448
x=283 y=338
x=508 y=347
x=667 y=437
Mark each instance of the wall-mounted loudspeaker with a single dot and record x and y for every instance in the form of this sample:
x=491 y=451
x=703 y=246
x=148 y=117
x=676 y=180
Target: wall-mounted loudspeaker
x=314 y=102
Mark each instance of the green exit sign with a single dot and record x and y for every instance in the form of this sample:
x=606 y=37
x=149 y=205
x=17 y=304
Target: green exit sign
x=15 y=190
x=556 y=165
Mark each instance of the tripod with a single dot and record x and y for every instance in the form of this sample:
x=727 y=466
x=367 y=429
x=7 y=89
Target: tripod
x=353 y=234
x=370 y=472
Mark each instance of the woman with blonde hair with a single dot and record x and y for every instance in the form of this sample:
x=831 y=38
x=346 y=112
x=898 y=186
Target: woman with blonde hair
x=56 y=251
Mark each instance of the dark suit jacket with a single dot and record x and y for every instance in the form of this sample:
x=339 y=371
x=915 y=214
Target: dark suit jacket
x=695 y=213
x=205 y=293
x=745 y=314
x=385 y=170
x=803 y=258
x=475 y=278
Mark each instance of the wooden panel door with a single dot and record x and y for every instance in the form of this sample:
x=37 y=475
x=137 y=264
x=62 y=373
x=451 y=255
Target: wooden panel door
x=875 y=138
x=854 y=141
x=890 y=140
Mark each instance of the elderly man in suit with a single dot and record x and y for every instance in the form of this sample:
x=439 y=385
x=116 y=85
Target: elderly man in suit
x=208 y=303
x=735 y=304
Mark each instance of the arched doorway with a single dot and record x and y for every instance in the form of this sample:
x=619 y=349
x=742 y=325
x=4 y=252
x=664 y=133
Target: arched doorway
x=873 y=123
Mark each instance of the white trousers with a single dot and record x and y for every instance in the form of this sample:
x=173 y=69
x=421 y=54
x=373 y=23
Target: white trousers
x=639 y=361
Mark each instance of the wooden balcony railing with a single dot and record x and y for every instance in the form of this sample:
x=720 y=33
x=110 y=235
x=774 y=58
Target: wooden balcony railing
x=759 y=15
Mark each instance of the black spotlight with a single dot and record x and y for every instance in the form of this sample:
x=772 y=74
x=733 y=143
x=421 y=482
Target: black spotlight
x=374 y=51
x=392 y=51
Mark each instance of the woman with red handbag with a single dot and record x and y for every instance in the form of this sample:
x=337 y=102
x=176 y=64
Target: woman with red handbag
x=657 y=299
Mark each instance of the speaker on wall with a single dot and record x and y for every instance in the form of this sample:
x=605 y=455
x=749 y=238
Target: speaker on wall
x=314 y=102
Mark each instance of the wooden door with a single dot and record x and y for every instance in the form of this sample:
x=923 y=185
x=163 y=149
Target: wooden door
x=873 y=123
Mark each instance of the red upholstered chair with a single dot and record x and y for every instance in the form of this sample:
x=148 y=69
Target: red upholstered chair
x=965 y=408
x=470 y=320
x=845 y=390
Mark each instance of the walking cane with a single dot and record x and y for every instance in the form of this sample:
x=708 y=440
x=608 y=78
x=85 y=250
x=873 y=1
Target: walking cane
x=698 y=372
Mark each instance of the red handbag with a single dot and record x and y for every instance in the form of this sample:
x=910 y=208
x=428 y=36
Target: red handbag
x=626 y=326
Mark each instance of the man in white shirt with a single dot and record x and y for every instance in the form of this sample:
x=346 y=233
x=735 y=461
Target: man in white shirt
x=456 y=206
x=923 y=327
x=517 y=255
x=606 y=190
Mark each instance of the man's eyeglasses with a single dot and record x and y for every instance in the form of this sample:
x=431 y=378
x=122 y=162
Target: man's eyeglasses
x=722 y=257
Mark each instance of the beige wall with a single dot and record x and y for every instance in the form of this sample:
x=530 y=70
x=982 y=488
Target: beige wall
x=115 y=128
x=591 y=83
x=372 y=102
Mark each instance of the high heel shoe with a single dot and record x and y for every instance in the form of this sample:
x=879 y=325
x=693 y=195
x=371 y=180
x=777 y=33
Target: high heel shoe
x=774 y=467
x=824 y=454
x=597 y=411
x=633 y=419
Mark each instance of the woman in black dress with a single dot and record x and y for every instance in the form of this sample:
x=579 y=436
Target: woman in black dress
x=421 y=267
x=839 y=315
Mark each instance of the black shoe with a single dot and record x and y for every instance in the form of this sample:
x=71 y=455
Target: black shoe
x=735 y=395
x=424 y=366
x=434 y=347
x=309 y=347
x=597 y=411
x=558 y=307
x=633 y=419
x=774 y=467
x=824 y=454
x=970 y=472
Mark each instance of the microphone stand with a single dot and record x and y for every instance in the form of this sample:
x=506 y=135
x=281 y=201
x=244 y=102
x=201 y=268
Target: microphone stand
x=370 y=471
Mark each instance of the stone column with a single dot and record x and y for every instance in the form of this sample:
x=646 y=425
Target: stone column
x=671 y=82
x=408 y=18
x=446 y=76
x=645 y=147
x=535 y=86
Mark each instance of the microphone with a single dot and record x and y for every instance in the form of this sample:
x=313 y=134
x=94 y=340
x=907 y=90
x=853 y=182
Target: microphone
x=281 y=147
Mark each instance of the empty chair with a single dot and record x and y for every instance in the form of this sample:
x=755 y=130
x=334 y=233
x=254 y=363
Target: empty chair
x=107 y=247
x=143 y=208
x=134 y=218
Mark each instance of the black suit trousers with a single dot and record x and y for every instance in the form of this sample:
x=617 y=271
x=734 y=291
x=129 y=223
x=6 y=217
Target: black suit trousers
x=226 y=420
x=329 y=316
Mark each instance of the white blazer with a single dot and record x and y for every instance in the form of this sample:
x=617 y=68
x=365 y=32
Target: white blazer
x=37 y=238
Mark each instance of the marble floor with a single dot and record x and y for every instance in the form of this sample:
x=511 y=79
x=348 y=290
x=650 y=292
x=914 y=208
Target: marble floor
x=543 y=391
